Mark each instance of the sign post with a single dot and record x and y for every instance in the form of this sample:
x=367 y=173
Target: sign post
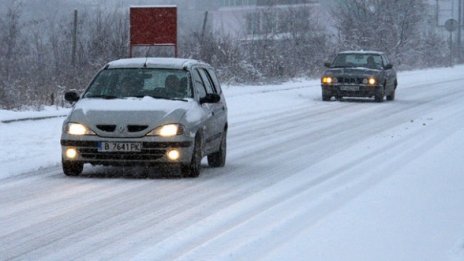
x=451 y=25
x=153 y=26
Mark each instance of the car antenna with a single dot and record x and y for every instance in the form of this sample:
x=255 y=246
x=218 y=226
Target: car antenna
x=145 y=64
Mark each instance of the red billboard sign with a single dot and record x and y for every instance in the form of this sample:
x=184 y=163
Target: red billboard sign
x=153 y=26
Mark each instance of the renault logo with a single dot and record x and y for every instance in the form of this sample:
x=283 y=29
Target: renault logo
x=121 y=129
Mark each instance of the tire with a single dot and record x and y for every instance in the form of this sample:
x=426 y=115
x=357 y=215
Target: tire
x=326 y=97
x=71 y=168
x=380 y=94
x=218 y=159
x=391 y=97
x=192 y=170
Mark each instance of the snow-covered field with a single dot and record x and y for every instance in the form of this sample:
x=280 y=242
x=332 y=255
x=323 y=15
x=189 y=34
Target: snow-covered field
x=304 y=180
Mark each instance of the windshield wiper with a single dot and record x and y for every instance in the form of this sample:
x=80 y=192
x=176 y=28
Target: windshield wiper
x=142 y=96
x=342 y=66
x=108 y=97
x=167 y=98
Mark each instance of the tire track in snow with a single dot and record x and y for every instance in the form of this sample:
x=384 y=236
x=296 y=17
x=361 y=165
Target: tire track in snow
x=269 y=228
x=244 y=232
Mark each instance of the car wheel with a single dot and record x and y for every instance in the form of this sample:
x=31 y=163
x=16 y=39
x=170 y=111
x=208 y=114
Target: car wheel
x=71 y=168
x=218 y=159
x=192 y=169
x=326 y=97
x=380 y=94
x=391 y=97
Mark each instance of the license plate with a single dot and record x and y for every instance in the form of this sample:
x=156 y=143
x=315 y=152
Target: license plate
x=349 y=88
x=120 y=147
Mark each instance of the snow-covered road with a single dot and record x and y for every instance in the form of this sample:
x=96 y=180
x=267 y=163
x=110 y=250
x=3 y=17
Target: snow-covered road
x=304 y=179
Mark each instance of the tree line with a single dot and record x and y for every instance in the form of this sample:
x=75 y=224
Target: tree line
x=37 y=64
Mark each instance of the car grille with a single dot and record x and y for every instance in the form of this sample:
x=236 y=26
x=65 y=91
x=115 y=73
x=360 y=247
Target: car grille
x=136 y=128
x=150 y=151
x=107 y=128
x=130 y=128
x=144 y=155
x=350 y=80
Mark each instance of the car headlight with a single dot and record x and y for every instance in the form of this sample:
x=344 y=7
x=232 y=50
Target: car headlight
x=370 y=81
x=78 y=129
x=168 y=130
x=328 y=80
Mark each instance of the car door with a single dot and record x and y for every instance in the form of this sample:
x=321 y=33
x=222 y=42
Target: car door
x=222 y=106
x=217 y=111
x=389 y=75
x=208 y=123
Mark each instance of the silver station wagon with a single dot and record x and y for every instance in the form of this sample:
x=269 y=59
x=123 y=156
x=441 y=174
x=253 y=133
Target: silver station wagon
x=147 y=111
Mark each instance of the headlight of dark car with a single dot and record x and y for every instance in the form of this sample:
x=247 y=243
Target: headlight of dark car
x=328 y=80
x=370 y=80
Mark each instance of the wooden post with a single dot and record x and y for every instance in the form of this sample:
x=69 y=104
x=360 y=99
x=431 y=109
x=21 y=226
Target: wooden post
x=203 y=29
x=459 y=45
x=74 y=40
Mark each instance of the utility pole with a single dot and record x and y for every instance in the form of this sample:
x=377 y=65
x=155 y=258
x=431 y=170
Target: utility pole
x=451 y=48
x=459 y=45
x=203 y=28
x=74 y=40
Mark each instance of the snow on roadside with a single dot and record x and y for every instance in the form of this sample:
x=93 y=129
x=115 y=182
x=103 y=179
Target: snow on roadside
x=46 y=111
x=29 y=145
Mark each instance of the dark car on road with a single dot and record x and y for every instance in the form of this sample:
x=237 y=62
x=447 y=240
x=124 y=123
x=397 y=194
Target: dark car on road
x=359 y=74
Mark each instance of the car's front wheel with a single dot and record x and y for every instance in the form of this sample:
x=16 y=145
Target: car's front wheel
x=72 y=168
x=326 y=97
x=380 y=94
x=192 y=170
x=218 y=159
x=391 y=97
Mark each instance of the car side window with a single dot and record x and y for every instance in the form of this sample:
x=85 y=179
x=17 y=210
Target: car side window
x=214 y=80
x=198 y=84
x=385 y=61
x=207 y=81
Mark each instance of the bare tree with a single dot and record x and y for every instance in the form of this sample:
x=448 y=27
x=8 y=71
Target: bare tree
x=11 y=52
x=384 y=25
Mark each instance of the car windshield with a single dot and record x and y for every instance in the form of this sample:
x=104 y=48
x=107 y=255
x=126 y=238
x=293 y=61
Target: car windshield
x=367 y=60
x=156 y=83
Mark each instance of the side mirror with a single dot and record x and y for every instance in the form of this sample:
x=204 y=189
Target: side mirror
x=71 y=96
x=327 y=64
x=388 y=66
x=210 y=98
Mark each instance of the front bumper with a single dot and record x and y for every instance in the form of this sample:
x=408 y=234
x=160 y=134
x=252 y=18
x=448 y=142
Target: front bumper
x=356 y=90
x=153 y=152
